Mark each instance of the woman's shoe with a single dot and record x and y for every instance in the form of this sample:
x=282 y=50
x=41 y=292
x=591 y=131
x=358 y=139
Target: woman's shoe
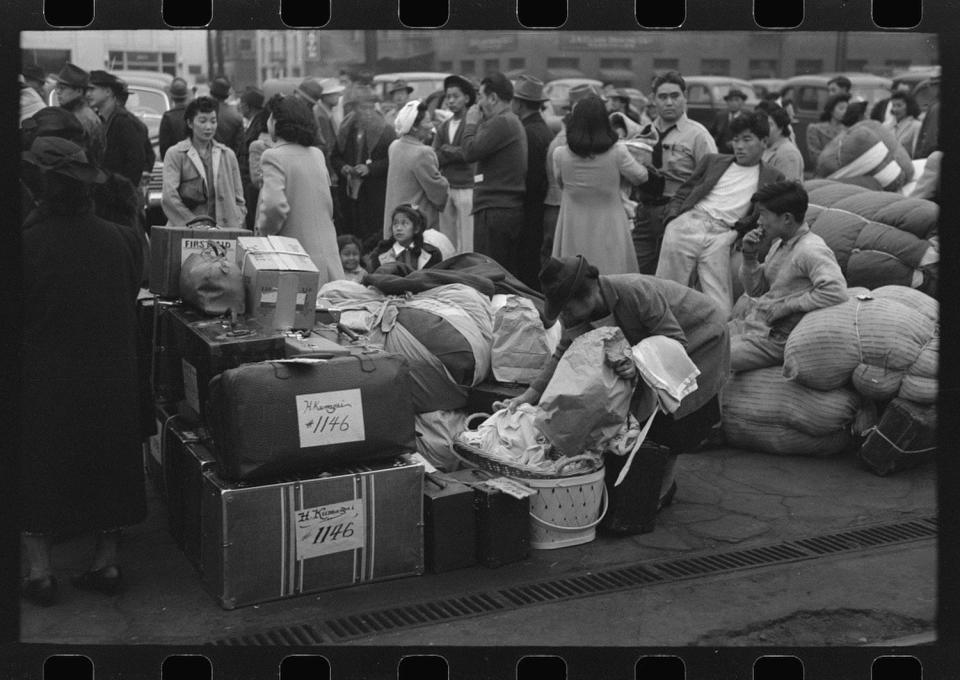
x=100 y=580
x=40 y=591
x=668 y=497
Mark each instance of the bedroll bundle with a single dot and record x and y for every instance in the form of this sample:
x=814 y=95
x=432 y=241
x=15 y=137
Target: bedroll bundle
x=763 y=411
x=887 y=344
x=866 y=151
x=445 y=333
x=878 y=238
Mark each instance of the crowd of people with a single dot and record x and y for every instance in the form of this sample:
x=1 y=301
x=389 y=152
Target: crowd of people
x=623 y=217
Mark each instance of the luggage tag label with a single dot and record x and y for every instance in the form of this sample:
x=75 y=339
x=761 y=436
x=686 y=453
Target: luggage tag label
x=510 y=487
x=326 y=418
x=328 y=529
x=189 y=246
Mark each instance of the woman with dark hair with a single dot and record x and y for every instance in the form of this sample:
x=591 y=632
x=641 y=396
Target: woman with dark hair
x=295 y=199
x=592 y=221
x=80 y=457
x=406 y=244
x=201 y=176
x=641 y=306
x=781 y=153
x=413 y=172
x=906 y=114
x=830 y=125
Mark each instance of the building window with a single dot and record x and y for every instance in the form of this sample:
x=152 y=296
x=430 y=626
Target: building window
x=609 y=62
x=563 y=62
x=664 y=65
x=468 y=66
x=517 y=63
x=196 y=69
x=805 y=66
x=859 y=65
x=490 y=65
x=715 y=67
x=245 y=44
x=763 y=68
x=445 y=65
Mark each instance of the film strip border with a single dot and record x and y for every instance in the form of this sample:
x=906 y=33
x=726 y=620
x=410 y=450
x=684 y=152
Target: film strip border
x=478 y=663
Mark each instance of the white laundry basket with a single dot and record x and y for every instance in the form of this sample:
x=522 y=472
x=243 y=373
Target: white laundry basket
x=566 y=510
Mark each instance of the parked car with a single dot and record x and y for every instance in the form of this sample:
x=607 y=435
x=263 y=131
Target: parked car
x=424 y=83
x=558 y=91
x=914 y=77
x=810 y=95
x=764 y=86
x=275 y=86
x=705 y=96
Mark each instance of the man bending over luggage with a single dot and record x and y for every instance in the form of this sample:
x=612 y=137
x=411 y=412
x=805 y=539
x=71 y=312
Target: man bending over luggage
x=800 y=274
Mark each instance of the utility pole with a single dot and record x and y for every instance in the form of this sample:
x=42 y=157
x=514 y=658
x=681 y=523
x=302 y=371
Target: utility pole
x=209 y=55
x=370 y=55
x=840 y=58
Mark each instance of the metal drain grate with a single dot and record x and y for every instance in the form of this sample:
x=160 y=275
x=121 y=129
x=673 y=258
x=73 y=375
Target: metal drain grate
x=655 y=571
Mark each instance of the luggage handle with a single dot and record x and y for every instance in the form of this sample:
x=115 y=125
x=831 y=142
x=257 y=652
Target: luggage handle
x=606 y=506
x=210 y=222
x=475 y=415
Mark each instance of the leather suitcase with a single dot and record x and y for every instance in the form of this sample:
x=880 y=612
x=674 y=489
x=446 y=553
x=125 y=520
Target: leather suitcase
x=287 y=417
x=311 y=533
x=449 y=526
x=502 y=521
x=185 y=460
x=166 y=379
x=205 y=347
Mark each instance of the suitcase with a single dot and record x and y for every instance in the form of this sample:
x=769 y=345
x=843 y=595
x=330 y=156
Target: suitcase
x=905 y=437
x=205 y=347
x=502 y=521
x=170 y=246
x=185 y=460
x=480 y=398
x=633 y=506
x=449 y=527
x=299 y=415
x=311 y=533
x=153 y=448
x=314 y=345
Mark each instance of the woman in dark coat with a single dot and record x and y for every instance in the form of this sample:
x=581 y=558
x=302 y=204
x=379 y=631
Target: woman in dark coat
x=642 y=306
x=80 y=452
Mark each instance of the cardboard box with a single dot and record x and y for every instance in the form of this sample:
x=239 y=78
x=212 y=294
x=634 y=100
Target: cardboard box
x=171 y=246
x=281 y=281
x=305 y=535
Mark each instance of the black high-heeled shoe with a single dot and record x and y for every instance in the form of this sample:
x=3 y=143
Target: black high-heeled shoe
x=40 y=591
x=100 y=581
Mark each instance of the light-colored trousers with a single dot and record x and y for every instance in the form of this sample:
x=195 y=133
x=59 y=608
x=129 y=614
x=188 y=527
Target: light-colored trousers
x=695 y=242
x=456 y=221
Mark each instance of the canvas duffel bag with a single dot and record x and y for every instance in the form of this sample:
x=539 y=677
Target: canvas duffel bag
x=276 y=418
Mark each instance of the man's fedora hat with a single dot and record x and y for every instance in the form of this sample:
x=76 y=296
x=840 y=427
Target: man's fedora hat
x=310 y=90
x=179 y=90
x=397 y=85
x=73 y=76
x=55 y=154
x=529 y=89
x=735 y=93
x=331 y=86
x=559 y=278
x=104 y=79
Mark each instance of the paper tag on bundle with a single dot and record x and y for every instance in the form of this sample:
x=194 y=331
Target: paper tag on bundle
x=326 y=418
x=510 y=487
x=328 y=529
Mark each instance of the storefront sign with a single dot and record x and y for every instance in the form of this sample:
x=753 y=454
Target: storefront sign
x=493 y=43
x=607 y=43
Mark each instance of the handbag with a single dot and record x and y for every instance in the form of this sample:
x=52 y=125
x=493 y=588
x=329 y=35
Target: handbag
x=193 y=192
x=211 y=282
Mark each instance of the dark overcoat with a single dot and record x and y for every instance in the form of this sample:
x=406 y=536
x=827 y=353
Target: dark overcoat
x=81 y=463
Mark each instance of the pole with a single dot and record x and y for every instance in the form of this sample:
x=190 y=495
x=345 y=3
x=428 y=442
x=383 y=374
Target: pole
x=370 y=55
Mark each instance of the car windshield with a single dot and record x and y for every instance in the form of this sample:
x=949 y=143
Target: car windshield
x=144 y=103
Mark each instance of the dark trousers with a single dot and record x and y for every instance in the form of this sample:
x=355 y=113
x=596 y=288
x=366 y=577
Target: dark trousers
x=648 y=236
x=496 y=234
x=531 y=241
x=551 y=214
x=251 y=194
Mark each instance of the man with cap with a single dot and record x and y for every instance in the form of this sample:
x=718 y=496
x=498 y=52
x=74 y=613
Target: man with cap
x=456 y=219
x=551 y=202
x=620 y=102
x=126 y=137
x=229 y=121
x=399 y=93
x=494 y=139
x=30 y=101
x=720 y=129
x=173 y=128
x=528 y=101
x=71 y=88
x=682 y=144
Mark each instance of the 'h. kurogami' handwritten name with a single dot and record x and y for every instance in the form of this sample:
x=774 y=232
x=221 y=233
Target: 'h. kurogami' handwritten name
x=321 y=406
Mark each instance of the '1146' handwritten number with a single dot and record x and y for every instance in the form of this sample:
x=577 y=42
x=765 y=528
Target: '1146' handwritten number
x=333 y=532
x=332 y=424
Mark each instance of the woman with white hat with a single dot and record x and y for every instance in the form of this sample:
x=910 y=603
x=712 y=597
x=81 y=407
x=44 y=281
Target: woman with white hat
x=413 y=173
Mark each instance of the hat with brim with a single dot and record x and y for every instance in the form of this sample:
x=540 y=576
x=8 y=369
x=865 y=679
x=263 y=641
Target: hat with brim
x=73 y=76
x=108 y=80
x=331 y=86
x=310 y=90
x=468 y=88
x=399 y=85
x=54 y=154
x=735 y=93
x=220 y=88
x=559 y=278
x=529 y=89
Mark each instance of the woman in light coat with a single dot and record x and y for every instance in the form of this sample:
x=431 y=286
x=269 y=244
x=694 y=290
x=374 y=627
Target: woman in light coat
x=201 y=176
x=295 y=198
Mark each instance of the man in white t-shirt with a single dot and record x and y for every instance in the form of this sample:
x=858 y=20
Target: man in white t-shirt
x=712 y=208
